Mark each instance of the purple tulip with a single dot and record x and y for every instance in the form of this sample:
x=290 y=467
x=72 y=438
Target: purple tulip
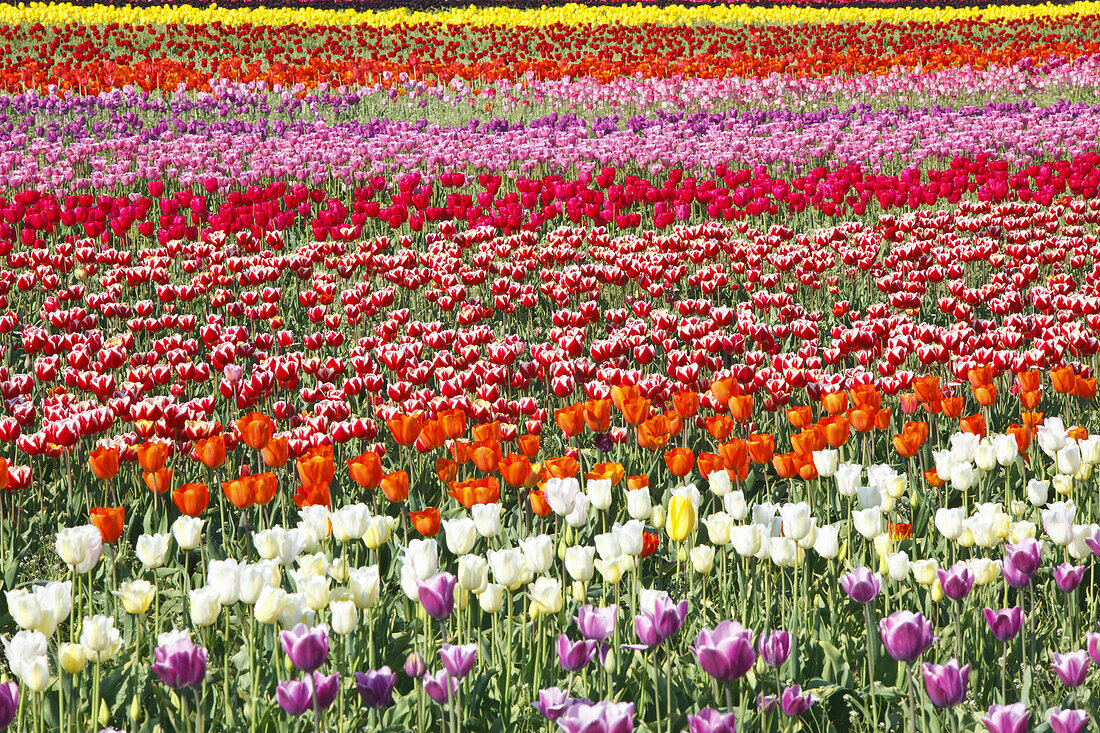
x=440 y=687
x=325 y=688
x=295 y=696
x=437 y=595
x=1067 y=577
x=9 y=703
x=1068 y=721
x=1026 y=555
x=647 y=634
x=766 y=703
x=725 y=652
x=1093 y=543
x=376 y=687
x=458 y=660
x=905 y=635
x=414 y=666
x=1007 y=718
x=668 y=617
x=179 y=664
x=956 y=581
x=597 y=624
x=861 y=585
x=1013 y=575
x=946 y=683
x=774 y=647
x=306 y=647
x=1005 y=623
x=575 y=655
x=552 y=703
x=1071 y=668
x=794 y=702
x=598 y=717
x=1092 y=644
x=709 y=720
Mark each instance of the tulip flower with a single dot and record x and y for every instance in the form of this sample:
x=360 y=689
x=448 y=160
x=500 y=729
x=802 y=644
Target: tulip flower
x=104 y=463
x=191 y=499
x=256 y=430
x=307 y=648
x=375 y=687
x=313 y=692
x=552 y=703
x=574 y=656
x=1071 y=668
x=599 y=717
x=596 y=624
x=1007 y=718
x=180 y=664
x=794 y=702
x=1067 y=721
x=709 y=720
x=1067 y=577
x=861 y=585
x=9 y=703
x=905 y=635
x=681 y=518
x=774 y=647
x=440 y=687
x=437 y=595
x=726 y=652
x=956 y=581
x=458 y=660
x=109 y=521
x=1004 y=624
x=946 y=684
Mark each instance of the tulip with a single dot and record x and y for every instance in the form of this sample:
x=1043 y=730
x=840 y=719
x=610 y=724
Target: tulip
x=860 y=585
x=437 y=595
x=136 y=596
x=596 y=624
x=905 y=635
x=414 y=666
x=868 y=522
x=1058 y=522
x=1092 y=644
x=204 y=606
x=796 y=520
x=538 y=553
x=709 y=720
x=552 y=703
x=1004 y=624
x=440 y=687
x=956 y=581
x=104 y=463
x=486 y=519
x=794 y=702
x=376 y=687
x=345 y=617
x=1071 y=668
x=26 y=655
x=460 y=534
x=681 y=518
x=9 y=703
x=726 y=652
x=702 y=559
x=188 y=532
x=1067 y=577
x=180 y=664
x=1067 y=721
x=574 y=656
x=579 y=562
x=80 y=547
x=638 y=504
x=1007 y=718
x=100 y=638
x=600 y=717
x=946 y=684
x=313 y=692
x=491 y=600
x=774 y=647
x=458 y=660
x=73 y=658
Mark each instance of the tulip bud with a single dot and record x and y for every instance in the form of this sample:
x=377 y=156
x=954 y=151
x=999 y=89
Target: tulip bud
x=135 y=709
x=657 y=517
x=74 y=658
x=937 y=591
x=580 y=591
x=610 y=661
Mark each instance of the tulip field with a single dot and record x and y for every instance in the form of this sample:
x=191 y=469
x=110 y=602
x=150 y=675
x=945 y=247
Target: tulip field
x=570 y=368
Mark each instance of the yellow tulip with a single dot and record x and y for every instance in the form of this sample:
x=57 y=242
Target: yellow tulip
x=681 y=518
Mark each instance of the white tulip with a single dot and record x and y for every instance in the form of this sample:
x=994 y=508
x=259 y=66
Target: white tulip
x=599 y=493
x=718 y=528
x=847 y=478
x=473 y=573
x=950 y=522
x=152 y=550
x=826 y=462
x=349 y=522
x=868 y=522
x=492 y=598
x=100 y=638
x=269 y=606
x=345 y=617
x=631 y=539
x=1058 y=522
x=607 y=545
x=719 y=483
x=188 y=532
x=507 y=567
x=545 y=594
x=702 y=559
x=796 y=520
x=461 y=534
x=224 y=576
x=204 y=605
x=486 y=519
x=735 y=505
x=378 y=531
x=1068 y=459
x=579 y=562
x=561 y=494
x=638 y=503
x=364 y=584
x=897 y=566
x=827 y=544
x=538 y=553
x=79 y=547
x=1037 y=491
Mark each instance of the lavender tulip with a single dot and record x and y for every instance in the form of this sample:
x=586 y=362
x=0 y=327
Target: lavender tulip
x=766 y=703
x=1067 y=577
x=709 y=720
x=1007 y=718
x=306 y=647
x=956 y=581
x=325 y=689
x=861 y=585
x=725 y=652
x=458 y=660
x=1015 y=577
x=295 y=696
x=441 y=687
x=437 y=595
x=414 y=666
x=575 y=655
x=1005 y=623
x=597 y=624
x=1092 y=644
x=774 y=647
x=376 y=687
x=1071 y=668
x=946 y=683
x=9 y=703
x=905 y=635
x=1026 y=555
x=180 y=664
x=668 y=616
x=794 y=702
x=598 y=717
x=552 y=702
x=1093 y=543
x=1068 y=721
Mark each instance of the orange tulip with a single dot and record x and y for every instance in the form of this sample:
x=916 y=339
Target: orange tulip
x=985 y=394
x=800 y=416
x=1063 y=380
x=837 y=429
x=952 y=406
x=899 y=531
x=882 y=419
x=613 y=472
x=396 y=486
x=1022 y=434
x=446 y=470
x=835 y=402
x=785 y=464
x=1031 y=419
x=722 y=390
x=719 y=426
x=277 y=451
x=211 y=451
x=907 y=444
x=635 y=410
x=570 y=419
x=264 y=486
x=1077 y=433
x=486 y=455
x=650 y=542
x=709 y=463
x=109 y=521
x=866 y=396
x=621 y=393
x=735 y=454
x=104 y=462
x=152 y=455
x=674 y=424
x=805 y=466
x=489 y=431
x=191 y=499
x=980 y=376
x=927 y=389
x=1030 y=400
x=529 y=445
x=1085 y=388
x=761 y=447
x=158 y=481
x=1029 y=381
x=633 y=483
x=538 y=502
x=426 y=521
x=809 y=440
x=652 y=434
x=365 y=470
x=597 y=415
x=686 y=403
x=973 y=424
x=741 y=407
x=562 y=467
x=460 y=451
x=431 y=437
x=680 y=461
x=862 y=419
x=317 y=467
x=515 y=469
x=475 y=491
x=932 y=478
x=239 y=492
x=256 y=429
x=312 y=496
x=406 y=428
x=453 y=422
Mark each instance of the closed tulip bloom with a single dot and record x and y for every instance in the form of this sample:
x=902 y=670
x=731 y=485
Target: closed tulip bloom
x=709 y=720
x=460 y=534
x=507 y=566
x=458 y=660
x=80 y=547
x=1058 y=522
x=946 y=684
x=580 y=562
x=422 y=556
x=827 y=542
x=136 y=596
x=473 y=573
x=486 y=519
x=725 y=652
x=552 y=703
x=225 y=577
x=437 y=595
x=345 y=617
x=307 y=648
x=796 y=520
x=956 y=581
x=180 y=664
x=1071 y=668
x=639 y=505
x=575 y=655
x=545 y=594
x=375 y=687
x=440 y=687
x=1067 y=721
x=774 y=647
x=702 y=559
x=599 y=717
x=364 y=584
x=868 y=522
x=491 y=599
x=538 y=553
x=1004 y=624
x=100 y=638
x=794 y=702
x=73 y=658
x=596 y=624
x=681 y=518
x=1067 y=577
x=152 y=550
x=188 y=532
x=26 y=654
x=1026 y=555
x=861 y=585
x=1007 y=718
x=905 y=635
x=295 y=696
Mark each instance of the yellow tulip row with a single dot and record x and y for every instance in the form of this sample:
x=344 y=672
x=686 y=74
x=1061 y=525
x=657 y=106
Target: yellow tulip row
x=677 y=15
